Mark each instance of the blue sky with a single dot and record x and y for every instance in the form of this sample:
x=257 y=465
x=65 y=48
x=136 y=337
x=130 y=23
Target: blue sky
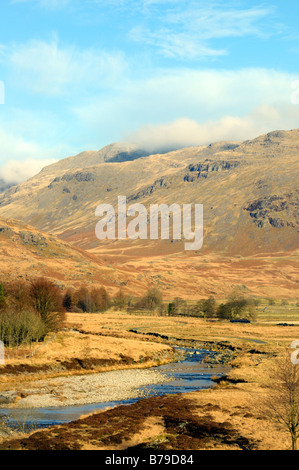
x=81 y=74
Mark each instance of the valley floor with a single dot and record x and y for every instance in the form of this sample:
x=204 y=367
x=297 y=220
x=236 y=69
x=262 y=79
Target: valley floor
x=227 y=416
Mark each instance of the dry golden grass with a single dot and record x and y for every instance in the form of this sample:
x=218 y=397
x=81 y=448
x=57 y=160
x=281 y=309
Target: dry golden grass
x=119 y=324
x=60 y=353
x=232 y=405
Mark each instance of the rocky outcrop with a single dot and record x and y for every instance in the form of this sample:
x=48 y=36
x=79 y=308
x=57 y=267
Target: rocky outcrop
x=203 y=170
x=4 y=230
x=79 y=176
x=275 y=210
x=161 y=183
x=29 y=238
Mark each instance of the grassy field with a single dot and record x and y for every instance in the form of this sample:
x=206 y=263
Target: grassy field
x=265 y=329
x=224 y=417
x=96 y=342
x=278 y=312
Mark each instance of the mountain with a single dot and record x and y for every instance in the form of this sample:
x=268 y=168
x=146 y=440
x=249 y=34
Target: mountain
x=117 y=152
x=26 y=253
x=248 y=191
x=4 y=186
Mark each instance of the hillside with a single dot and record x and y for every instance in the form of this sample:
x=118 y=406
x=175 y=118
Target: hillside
x=26 y=253
x=251 y=220
x=4 y=186
x=117 y=152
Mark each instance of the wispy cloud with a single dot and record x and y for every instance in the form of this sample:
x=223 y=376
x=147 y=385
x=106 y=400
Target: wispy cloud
x=30 y=141
x=175 y=45
x=170 y=95
x=74 y=92
x=50 y=68
x=50 y=4
x=186 y=29
x=214 y=22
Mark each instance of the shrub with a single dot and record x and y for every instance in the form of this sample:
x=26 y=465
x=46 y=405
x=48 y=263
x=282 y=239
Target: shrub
x=68 y=302
x=178 y=307
x=2 y=297
x=18 y=328
x=100 y=299
x=93 y=300
x=47 y=302
x=152 y=299
x=237 y=308
x=18 y=295
x=207 y=307
x=83 y=299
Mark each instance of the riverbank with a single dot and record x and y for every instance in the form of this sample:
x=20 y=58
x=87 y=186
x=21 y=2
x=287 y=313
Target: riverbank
x=70 y=353
x=83 y=389
x=224 y=417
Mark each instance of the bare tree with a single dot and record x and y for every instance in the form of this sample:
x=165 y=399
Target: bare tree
x=47 y=301
x=282 y=402
x=152 y=299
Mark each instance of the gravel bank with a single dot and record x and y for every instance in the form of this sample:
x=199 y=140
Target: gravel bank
x=84 y=389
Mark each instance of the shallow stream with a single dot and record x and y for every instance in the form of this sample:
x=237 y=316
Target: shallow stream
x=188 y=375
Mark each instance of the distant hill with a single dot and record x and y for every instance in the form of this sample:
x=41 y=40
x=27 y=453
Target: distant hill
x=26 y=253
x=249 y=191
x=117 y=152
x=4 y=186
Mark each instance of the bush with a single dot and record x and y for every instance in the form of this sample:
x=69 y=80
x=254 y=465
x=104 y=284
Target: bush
x=83 y=299
x=2 y=297
x=100 y=299
x=18 y=295
x=47 y=302
x=206 y=307
x=93 y=300
x=178 y=307
x=68 y=302
x=152 y=299
x=237 y=308
x=18 y=328
x=120 y=301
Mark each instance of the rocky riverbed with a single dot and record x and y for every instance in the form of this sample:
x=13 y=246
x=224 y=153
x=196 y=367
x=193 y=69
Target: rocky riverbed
x=94 y=388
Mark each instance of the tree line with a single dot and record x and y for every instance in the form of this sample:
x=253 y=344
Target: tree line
x=30 y=310
x=236 y=307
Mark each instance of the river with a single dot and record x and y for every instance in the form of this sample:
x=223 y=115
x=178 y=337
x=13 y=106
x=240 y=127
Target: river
x=188 y=375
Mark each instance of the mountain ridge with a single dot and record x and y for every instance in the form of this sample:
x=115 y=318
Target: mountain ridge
x=251 y=220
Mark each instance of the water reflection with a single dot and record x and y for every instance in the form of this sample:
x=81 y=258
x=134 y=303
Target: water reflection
x=185 y=376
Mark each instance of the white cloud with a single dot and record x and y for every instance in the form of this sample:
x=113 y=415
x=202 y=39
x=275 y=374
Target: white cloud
x=52 y=69
x=186 y=132
x=51 y=4
x=18 y=171
x=216 y=22
x=202 y=96
x=175 y=44
x=24 y=158
x=185 y=29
